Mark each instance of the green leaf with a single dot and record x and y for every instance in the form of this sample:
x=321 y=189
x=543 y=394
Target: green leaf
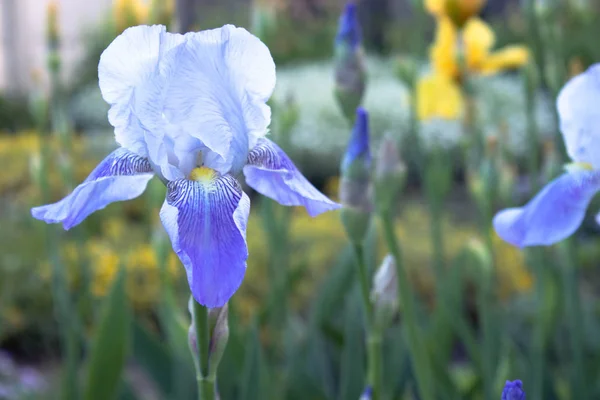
x=253 y=368
x=110 y=346
x=352 y=373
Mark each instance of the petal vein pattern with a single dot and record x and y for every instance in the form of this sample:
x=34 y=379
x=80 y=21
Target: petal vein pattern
x=122 y=175
x=271 y=172
x=206 y=222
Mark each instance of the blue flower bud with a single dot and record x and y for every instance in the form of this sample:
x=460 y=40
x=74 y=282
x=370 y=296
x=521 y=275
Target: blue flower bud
x=350 y=73
x=367 y=394
x=349 y=32
x=513 y=391
x=355 y=185
x=358 y=155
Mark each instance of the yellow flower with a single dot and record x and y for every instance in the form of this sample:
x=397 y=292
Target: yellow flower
x=438 y=97
x=459 y=11
x=129 y=13
x=470 y=51
x=105 y=264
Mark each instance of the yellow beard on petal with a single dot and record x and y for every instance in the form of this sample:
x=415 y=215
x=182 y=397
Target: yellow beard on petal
x=578 y=166
x=203 y=175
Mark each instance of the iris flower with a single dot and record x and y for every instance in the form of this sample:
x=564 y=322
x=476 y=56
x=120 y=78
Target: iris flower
x=459 y=10
x=458 y=53
x=559 y=208
x=191 y=109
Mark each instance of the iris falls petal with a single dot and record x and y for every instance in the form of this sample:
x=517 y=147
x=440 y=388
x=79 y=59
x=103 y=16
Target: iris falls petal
x=553 y=214
x=120 y=176
x=206 y=220
x=271 y=172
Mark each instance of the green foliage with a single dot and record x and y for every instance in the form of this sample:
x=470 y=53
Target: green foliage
x=110 y=346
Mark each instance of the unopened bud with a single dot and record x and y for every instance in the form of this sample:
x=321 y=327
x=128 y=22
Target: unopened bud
x=350 y=76
x=513 y=391
x=355 y=184
x=384 y=294
x=390 y=172
x=367 y=394
x=219 y=324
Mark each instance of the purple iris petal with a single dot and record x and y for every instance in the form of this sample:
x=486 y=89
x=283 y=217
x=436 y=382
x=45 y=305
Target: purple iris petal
x=271 y=172
x=553 y=214
x=206 y=221
x=513 y=391
x=349 y=31
x=122 y=175
x=358 y=146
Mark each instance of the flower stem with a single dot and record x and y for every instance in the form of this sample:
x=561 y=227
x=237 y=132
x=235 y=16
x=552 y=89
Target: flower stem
x=206 y=383
x=573 y=311
x=419 y=357
x=375 y=364
x=374 y=357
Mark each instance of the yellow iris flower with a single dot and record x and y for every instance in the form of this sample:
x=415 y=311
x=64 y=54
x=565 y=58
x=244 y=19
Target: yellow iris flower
x=458 y=10
x=438 y=97
x=455 y=54
x=130 y=13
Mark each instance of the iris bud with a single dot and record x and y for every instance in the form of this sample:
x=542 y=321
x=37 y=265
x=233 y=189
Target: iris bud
x=355 y=184
x=350 y=75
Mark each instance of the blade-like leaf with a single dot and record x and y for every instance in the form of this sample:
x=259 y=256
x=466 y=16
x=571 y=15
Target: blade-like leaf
x=110 y=345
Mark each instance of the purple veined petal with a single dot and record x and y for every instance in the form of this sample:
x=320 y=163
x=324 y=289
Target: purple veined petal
x=553 y=214
x=271 y=172
x=579 y=112
x=220 y=81
x=206 y=221
x=122 y=175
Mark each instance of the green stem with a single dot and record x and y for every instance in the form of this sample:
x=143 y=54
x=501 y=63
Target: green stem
x=437 y=239
x=206 y=383
x=538 y=339
x=419 y=357
x=574 y=318
x=375 y=365
x=485 y=314
x=60 y=291
x=363 y=277
x=374 y=356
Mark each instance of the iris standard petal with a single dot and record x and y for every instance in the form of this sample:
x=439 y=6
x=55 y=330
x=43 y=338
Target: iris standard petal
x=219 y=83
x=553 y=214
x=206 y=221
x=129 y=76
x=271 y=172
x=578 y=106
x=120 y=176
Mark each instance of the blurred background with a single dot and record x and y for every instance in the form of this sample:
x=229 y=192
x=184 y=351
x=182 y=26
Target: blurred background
x=487 y=310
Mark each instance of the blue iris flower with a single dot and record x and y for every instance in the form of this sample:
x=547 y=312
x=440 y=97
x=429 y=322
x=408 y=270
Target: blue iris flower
x=349 y=31
x=513 y=391
x=191 y=109
x=559 y=208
